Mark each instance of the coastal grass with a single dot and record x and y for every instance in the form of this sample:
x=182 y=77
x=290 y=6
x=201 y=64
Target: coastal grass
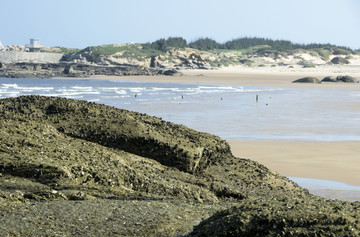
x=137 y=51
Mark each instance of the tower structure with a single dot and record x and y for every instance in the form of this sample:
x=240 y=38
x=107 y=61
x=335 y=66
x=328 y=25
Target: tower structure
x=34 y=45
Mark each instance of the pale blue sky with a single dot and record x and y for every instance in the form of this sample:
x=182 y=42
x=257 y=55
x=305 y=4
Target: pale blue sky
x=81 y=23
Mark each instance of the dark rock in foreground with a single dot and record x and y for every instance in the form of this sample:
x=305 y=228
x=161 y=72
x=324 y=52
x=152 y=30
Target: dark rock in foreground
x=170 y=144
x=272 y=218
x=77 y=168
x=307 y=80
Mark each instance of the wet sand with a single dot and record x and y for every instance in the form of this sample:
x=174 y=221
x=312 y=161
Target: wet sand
x=335 y=161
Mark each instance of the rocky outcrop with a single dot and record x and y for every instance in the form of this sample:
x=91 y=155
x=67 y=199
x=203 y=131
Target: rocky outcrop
x=48 y=70
x=66 y=142
x=259 y=218
x=133 y=174
x=307 y=80
x=346 y=79
x=171 y=59
x=329 y=79
x=171 y=145
x=339 y=60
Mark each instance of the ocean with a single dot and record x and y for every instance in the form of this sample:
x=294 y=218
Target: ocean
x=231 y=112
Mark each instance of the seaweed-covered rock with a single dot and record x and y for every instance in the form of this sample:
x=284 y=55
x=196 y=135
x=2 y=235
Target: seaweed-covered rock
x=73 y=168
x=290 y=218
x=307 y=80
x=67 y=142
x=347 y=79
x=42 y=157
x=170 y=144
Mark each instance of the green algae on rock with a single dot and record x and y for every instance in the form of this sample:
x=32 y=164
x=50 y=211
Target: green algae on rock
x=291 y=218
x=147 y=176
x=170 y=144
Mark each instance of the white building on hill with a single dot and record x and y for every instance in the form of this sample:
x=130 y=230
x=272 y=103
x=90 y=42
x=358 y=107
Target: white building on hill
x=34 y=45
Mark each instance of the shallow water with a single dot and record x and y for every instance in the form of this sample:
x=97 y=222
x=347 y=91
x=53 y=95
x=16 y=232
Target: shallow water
x=231 y=112
x=329 y=189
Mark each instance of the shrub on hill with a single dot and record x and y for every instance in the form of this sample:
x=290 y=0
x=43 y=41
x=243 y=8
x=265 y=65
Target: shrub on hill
x=341 y=51
x=205 y=44
x=171 y=42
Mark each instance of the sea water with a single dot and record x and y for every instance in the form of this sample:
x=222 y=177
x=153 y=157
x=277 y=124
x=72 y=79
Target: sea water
x=329 y=189
x=231 y=112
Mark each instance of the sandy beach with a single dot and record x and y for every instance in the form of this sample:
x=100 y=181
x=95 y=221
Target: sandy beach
x=335 y=161
x=245 y=76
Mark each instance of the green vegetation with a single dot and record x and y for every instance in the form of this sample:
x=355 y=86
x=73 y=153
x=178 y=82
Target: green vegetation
x=205 y=44
x=165 y=44
x=105 y=49
x=323 y=53
x=264 y=43
x=136 y=51
x=64 y=50
x=233 y=52
x=247 y=45
x=306 y=64
x=341 y=51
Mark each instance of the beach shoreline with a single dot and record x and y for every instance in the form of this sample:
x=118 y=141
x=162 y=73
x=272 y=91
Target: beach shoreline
x=333 y=161
x=244 y=76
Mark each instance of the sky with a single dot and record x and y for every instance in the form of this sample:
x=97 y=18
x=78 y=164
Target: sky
x=82 y=23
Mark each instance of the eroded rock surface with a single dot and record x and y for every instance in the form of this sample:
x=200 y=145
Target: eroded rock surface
x=72 y=167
